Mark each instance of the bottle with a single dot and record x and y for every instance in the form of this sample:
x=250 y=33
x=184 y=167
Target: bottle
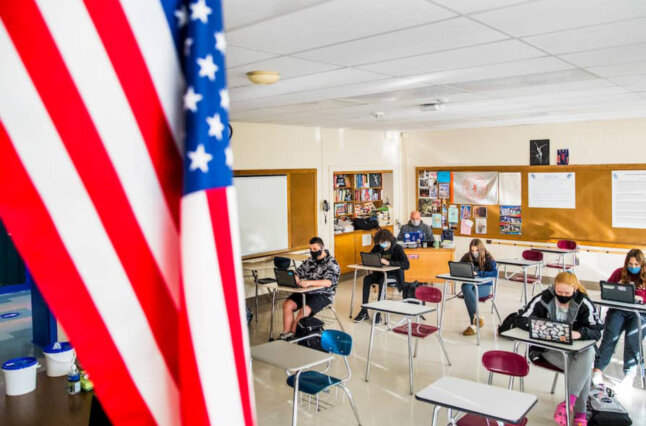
x=73 y=380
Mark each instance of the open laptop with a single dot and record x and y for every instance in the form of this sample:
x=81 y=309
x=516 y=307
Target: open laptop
x=461 y=269
x=285 y=278
x=550 y=331
x=371 y=259
x=617 y=292
x=413 y=237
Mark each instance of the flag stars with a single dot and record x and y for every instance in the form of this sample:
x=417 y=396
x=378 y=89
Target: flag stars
x=182 y=16
x=199 y=159
x=207 y=67
x=228 y=153
x=215 y=126
x=200 y=11
x=224 y=99
x=220 y=42
x=191 y=99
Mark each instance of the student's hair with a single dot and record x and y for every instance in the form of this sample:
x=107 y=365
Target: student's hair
x=484 y=254
x=384 y=235
x=317 y=240
x=639 y=255
x=571 y=280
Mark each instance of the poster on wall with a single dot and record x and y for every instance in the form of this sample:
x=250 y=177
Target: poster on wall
x=444 y=177
x=445 y=191
x=465 y=212
x=437 y=220
x=562 y=157
x=481 y=225
x=552 y=190
x=425 y=207
x=539 y=152
x=465 y=227
x=480 y=211
x=509 y=189
x=475 y=188
x=427 y=184
x=510 y=220
x=453 y=214
x=629 y=199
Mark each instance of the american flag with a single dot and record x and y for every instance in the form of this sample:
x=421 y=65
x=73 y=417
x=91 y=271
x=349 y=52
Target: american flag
x=106 y=108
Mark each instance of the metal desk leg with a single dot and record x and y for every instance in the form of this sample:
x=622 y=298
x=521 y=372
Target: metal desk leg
x=410 y=355
x=372 y=337
x=295 y=400
x=567 y=386
x=641 y=348
x=271 y=316
x=525 y=284
x=384 y=287
x=354 y=285
x=435 y=411
x=255 y=280
x=477 y=316
x=442 y=308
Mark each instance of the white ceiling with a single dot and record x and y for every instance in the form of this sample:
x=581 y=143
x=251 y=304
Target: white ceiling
x=492 y=62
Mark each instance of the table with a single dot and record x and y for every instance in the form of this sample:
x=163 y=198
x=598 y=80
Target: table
x=637 y=308
x=408 y=310
x=290 y=357
x=522 y=336
x=427 y=262
x=503 y=405
x=275 y=288
x=521 y=263
x=357 y=267
x=561 y=252
x=477 y=282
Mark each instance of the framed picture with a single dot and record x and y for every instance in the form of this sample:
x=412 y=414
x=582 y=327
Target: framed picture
x=539 y=152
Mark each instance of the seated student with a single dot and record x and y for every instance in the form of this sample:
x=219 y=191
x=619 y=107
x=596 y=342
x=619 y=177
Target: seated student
x=392 y=254
x=567 y=301
x=616 y=322
x=415 y=224
x=321 y=270
x=484 y=266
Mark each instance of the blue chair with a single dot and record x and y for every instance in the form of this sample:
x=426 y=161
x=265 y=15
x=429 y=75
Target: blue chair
x=314 y=382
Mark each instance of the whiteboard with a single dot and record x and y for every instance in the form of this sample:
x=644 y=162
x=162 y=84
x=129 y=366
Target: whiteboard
x=262 y=213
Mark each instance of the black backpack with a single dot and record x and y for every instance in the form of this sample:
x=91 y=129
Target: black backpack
x=306 y=327
x=515 y=319
x=604 y=409
x=365 y=223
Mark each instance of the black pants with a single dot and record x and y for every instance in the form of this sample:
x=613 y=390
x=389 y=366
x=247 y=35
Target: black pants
x=378 y=278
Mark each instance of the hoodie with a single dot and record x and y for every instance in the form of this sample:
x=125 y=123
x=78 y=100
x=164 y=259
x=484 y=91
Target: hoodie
x=422 y=227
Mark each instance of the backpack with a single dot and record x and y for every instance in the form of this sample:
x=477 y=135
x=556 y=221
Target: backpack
x=365 y=223
x=307 y=326
x=515 y=319
x=604 y=409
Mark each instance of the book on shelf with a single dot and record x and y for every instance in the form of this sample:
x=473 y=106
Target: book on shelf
x=342 y=209
x=342 y=194
x=367 y=194
x=340 y=180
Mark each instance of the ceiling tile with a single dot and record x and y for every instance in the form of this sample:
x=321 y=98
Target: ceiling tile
x=443 y=35
x=620 y=69
x=597 y=37
x=610 y=56
x=558 y=15
x=335 y=22
x=237 y=56
x=470 y=6
x=589 y=84
x=503 y=51
x=239 y=13
x=635 y=83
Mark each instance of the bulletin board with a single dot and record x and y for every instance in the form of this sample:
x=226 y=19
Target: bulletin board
x=590 y=223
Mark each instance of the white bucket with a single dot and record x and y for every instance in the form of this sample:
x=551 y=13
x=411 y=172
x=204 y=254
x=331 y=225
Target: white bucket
x=20 y=375
x=59 y=357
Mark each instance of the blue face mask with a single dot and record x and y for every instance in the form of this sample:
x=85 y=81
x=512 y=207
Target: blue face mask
x=634 y=269
x=384 y=245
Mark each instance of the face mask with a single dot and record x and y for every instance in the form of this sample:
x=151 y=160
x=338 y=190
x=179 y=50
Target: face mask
x=415 y=222
x=634 y=269
x=385 y=245
x=315 y=254
x=563 y=299
x=476 y=254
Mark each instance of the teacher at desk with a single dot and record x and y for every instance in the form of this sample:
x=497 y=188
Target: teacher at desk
x=415 y=224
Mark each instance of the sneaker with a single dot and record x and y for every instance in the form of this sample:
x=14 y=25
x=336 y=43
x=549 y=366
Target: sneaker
x=469 y=331
x=626 y=384
x=378 y=319
x=286 y=336
x=363 y=315
x=597 y=377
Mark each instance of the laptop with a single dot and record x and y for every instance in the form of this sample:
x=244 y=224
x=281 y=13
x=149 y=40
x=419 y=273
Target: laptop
x=371 y=259
x=617 y=292
x=413 y=237
x=285 y=278
x=461 y=269
x=550 y=331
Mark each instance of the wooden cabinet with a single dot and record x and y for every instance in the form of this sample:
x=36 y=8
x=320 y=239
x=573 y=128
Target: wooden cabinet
x=426 y=263
x=349 y=245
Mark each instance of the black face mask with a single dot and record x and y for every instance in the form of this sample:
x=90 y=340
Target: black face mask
x=564 y=299
x=315 y=254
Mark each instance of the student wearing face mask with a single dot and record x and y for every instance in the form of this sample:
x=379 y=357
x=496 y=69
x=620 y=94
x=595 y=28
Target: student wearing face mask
x=392 y=254
x=415 y=224
x=617 y=322
x=322 y=271
x=485 y=267
x=567 y=301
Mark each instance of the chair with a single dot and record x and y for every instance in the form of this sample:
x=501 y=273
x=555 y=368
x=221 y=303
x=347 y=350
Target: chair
x=560 y=264
x=499 y=362
x=422 y=331
x=540 y=362
x=491 y=296
x=533 y=279
x=314 y=382
x=280 y=263
x=336 y=317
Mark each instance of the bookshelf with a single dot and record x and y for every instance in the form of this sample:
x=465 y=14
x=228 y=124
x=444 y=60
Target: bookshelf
x=357 y=194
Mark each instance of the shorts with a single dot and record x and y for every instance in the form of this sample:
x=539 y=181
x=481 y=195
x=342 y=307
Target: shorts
x=316 y=301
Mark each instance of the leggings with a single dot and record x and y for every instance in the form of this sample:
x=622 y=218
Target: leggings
x=579 y=372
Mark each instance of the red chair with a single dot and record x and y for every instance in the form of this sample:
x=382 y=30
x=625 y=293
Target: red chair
x=533 y=279
x=560 y=264
x=499 y=362
x=540 y=362
x=422 y=331
x=491 y=296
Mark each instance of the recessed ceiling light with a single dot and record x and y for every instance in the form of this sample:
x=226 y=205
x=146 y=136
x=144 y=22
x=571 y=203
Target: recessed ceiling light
x=263 y=77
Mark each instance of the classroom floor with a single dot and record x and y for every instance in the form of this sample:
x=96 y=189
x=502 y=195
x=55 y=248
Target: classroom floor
x=385 y=400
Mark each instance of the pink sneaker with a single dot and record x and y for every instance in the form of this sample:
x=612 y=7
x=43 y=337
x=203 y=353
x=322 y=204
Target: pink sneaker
x=559 y=415
x=580 y=419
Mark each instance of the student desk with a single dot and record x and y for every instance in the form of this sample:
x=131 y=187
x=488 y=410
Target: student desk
x=292 y=358
x=503 y=405
x=476 y=282
x=407 y=310
x=562 y=254
x=521 y=263
x=358 y=267
x=273 y=289
x=522 y=336
x=637 y=308
x=426 y=263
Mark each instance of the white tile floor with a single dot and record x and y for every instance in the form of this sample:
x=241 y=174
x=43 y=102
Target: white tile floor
x=385 y=400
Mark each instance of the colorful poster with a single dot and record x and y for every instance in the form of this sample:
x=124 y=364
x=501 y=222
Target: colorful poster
x=465 y=227
x=509 y=189
x=480 y=211
x=425 y=207
x=423 y=192
x=475 y=188
x=437 y=220
x=432 y=191
x=510 y=220
x=465 y=212
x=445 y=191
x=562 y=157
x=481 y=225
x=453 y=214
